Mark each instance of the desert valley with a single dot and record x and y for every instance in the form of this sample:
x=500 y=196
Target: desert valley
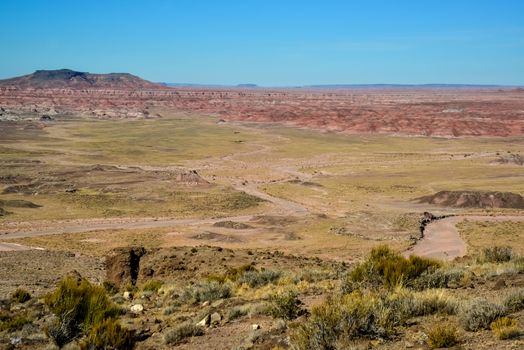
x=138 y=215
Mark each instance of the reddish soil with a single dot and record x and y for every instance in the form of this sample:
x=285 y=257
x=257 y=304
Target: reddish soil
x=429 y=112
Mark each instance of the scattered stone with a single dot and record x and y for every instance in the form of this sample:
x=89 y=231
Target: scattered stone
x=205 y=303
x=215 y=318
x=255 y=327
x=205 y=321
x=128 y=295
x=137 y=308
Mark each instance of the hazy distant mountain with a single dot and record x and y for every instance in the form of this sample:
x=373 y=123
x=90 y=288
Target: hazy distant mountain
x=401 y=86
x=66 y=78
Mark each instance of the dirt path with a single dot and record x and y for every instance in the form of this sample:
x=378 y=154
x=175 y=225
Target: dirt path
x=9 y=247
x=442 y=239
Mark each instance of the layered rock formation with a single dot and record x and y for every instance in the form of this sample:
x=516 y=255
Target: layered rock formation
x=427 y=112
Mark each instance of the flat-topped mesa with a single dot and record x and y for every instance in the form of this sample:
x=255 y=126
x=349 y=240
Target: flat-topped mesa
x=70 y=79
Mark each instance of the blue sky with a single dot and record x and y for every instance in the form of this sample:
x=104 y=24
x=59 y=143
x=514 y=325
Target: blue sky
x=268 y=42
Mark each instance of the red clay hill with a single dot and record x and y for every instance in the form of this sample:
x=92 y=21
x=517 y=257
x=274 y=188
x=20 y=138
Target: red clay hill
x=407 y=110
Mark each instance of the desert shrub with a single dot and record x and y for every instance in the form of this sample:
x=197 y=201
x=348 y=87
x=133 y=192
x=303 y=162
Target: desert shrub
x=518 y=263
x=437 y=279
x=505 y=328
x=342 y=319
x=110 y=287
x=152 y=286
x=259 y=278
x=63 y=331
x=321 y=330
x=442 y=336
x=408 y=304
x=237 y=312
x=435 y=301
x=479 y=313
x=20 y=295
x=183 y=331
x=514 y=301
x=78 y=306
x=11 y=323
x=232 y=274
x=313 y=276
x=495 y=254
x=386 y=267
x=285 y=305
x=108 y=334
x=206 y=291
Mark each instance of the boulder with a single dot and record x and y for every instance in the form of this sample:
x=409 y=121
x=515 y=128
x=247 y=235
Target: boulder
x=123 y=265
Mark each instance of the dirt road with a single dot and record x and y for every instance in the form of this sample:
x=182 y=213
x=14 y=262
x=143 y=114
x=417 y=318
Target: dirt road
x=442 y=239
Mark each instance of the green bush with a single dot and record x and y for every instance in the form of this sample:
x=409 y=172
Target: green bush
x=497 y=254
x=108 y=334
x=514 y=301
x=322 y=329
x=206 y=291
x=345 y=318
x=182 y=332
x=442 y=336
x=505 y=328
x=237 y=312
x=388 y=268
x=20 y=295
x=479 y=314
x=152 y=286
x=78 y=306
x=437 y=279
x=232 y=274
x=257 y=279
x=285 y=305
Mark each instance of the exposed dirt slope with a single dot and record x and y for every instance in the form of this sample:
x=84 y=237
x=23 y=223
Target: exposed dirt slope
x=475 y=199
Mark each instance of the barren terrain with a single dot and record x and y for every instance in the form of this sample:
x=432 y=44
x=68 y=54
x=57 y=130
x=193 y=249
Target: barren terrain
x=206 y=202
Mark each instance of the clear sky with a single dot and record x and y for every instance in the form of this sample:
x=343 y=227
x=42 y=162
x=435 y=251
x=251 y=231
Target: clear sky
x=269 y=42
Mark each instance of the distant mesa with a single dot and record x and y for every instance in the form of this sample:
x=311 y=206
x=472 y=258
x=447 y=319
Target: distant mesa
x=475 y=199
x=249 y=86
x=67 y=78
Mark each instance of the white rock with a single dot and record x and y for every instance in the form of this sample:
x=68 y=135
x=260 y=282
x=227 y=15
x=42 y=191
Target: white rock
x=137 y=308
x=128 y=296
x=255 y=327
x=215 y=318
x=205 y=303
x=205 y=321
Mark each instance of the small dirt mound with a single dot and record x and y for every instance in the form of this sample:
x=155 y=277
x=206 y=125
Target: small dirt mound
x=475 y=199
x=232 y=224
x=274 y=220
x=191 y=178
